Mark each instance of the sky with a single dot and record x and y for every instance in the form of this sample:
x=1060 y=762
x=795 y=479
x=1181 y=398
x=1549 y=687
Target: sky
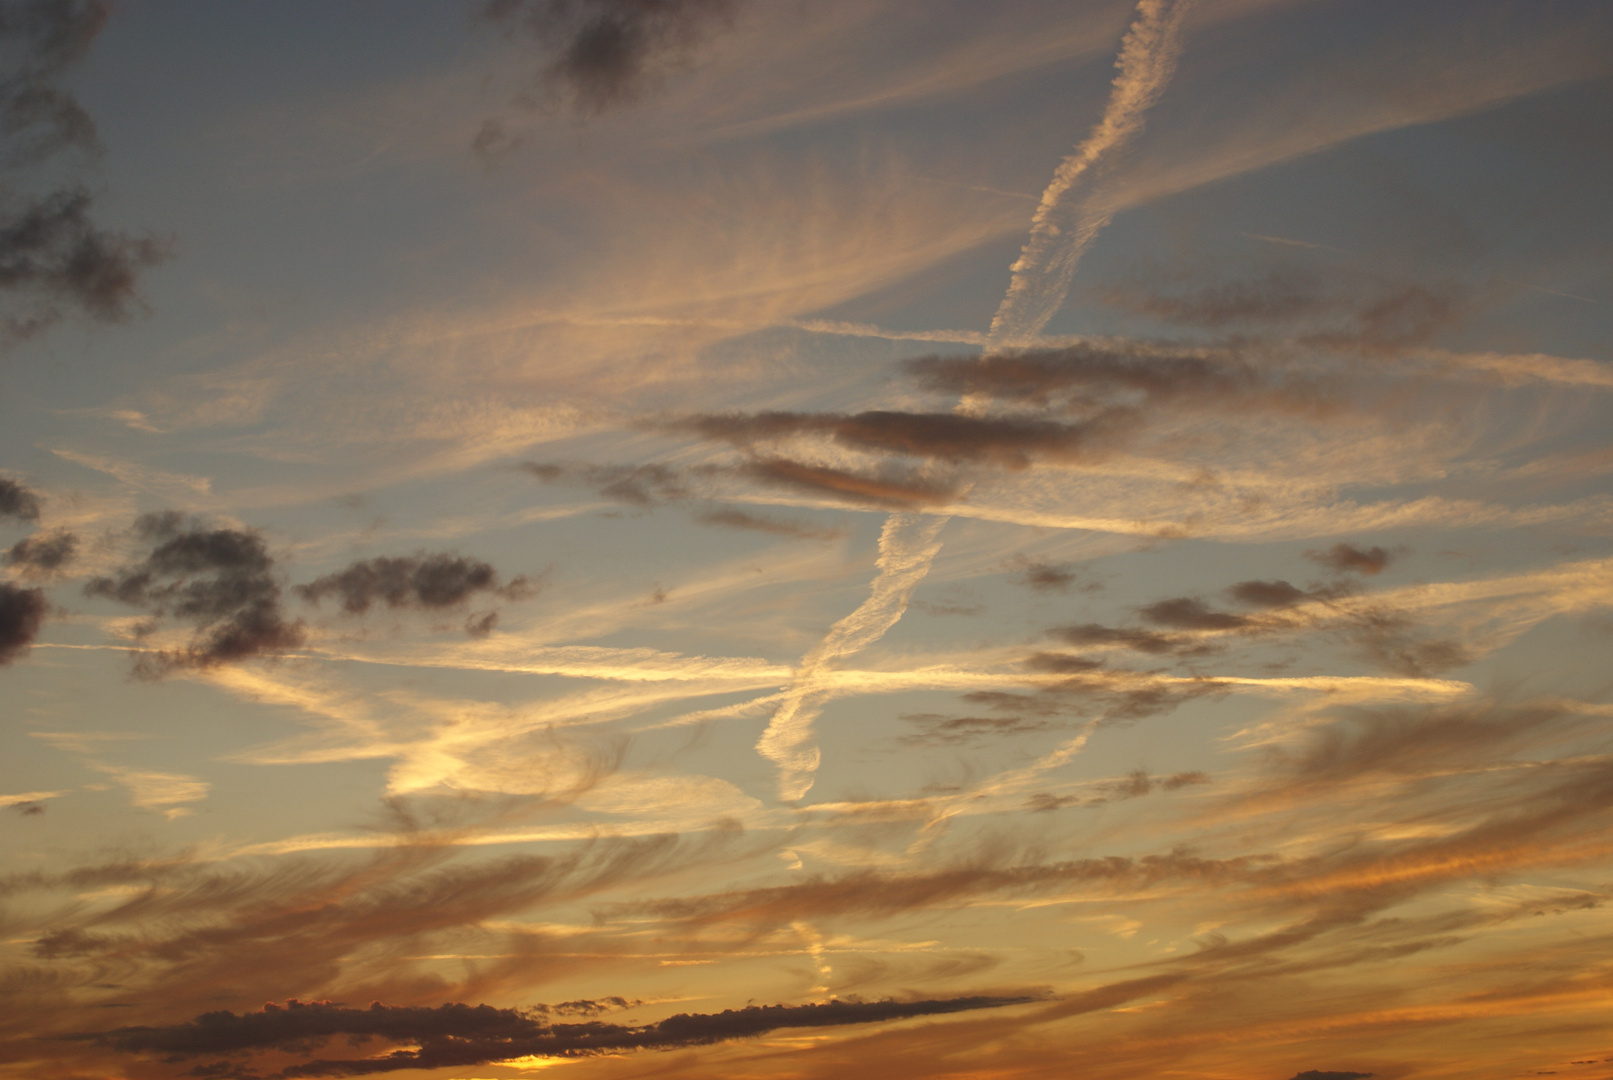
x=792 y=540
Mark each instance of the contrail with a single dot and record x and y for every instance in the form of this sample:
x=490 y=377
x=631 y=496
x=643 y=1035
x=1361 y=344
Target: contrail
x=907 y=545
x=1062 y=231
x=1041 y=277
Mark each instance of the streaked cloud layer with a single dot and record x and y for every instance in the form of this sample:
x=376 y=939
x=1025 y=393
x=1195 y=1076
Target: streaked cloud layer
x=716 y=537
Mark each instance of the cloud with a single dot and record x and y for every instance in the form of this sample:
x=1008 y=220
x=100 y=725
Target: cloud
x=17 y=501
x=164 y=792
x=1134 y=786
x=894 y=489
x=907 y=545
x=1349 y=558
x=637 y=485
x=1342 y=310
x=42 y=556
x=39 y=39
x=1268 y=594
x=53 y=260
x=1317 y=1074
x=599 y=55
x=731 y=518
x=1147 y=641
x=941 y=730
x=22 y=614
x=219 y=580
x=1010 y=442
x=423 y=581
x=458 y=1035
x=1187 y=613
x=1074 y=376
x=1050 y=577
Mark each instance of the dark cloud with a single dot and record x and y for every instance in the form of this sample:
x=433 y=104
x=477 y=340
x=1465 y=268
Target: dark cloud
x=1349 y=558
x=1268 y=594
x=599 y=55
x=461 y=1035
x=219 y=580
x=423 y=581
x=1392 y=641
x=940 y=730
x=39 y=39
x=29 y=809
x=890 y=488
x=1008 y=442
x=22 y=614
x=637 y=485
x=1050 y=577
x=17 y=501
x=1060 y=663
x=587 y=1006
x=728 y=517
x=1110 y=694
x=1341 y=310
x=1186 y=613
x=1082 y=377
x=1146 y=641
x=54 y=261
x=1317 y=1074
x=42 y=556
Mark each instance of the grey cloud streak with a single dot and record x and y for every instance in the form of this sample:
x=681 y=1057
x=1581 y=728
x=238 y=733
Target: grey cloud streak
x=457 y=1034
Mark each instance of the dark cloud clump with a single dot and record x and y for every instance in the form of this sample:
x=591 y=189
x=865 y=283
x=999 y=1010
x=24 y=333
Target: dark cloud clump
x=599 y=55
x=1050 y=577
x=219 y=580
x=1186 y=613
x=42 y=556
x=1268 y=594
x=22 y=613
x=461 y=1035
x=1317 y=1074
x=53 y=260
x=430 y=582
x=17 y=501
x=1347 y=558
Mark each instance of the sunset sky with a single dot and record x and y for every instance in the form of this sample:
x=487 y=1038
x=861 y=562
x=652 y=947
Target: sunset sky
x=806 y=539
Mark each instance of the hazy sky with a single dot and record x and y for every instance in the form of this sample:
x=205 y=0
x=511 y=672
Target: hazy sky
x=806 y=539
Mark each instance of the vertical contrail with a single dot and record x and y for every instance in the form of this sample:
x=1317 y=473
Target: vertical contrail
x=1063 y=228
x=1041 y=277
